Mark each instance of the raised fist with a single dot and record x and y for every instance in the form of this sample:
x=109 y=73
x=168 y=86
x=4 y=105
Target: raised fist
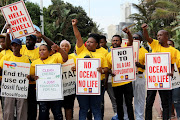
x=74 y=22
x=144 y=26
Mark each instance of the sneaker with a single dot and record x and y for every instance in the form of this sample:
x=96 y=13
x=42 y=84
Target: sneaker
x=115 y=117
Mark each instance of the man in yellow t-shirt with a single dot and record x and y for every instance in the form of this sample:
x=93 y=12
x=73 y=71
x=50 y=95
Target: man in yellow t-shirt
x=123 y=89
x=139 y=84
x=159 y=45
x=9 y=102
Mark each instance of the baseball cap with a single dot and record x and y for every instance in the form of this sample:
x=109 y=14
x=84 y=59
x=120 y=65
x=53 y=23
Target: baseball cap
x=17 y=41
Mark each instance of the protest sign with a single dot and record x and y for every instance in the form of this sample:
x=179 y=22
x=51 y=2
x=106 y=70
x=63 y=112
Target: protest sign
x=88 y=78
x=157 y=67
x=49 y=85
x=123 y=64
x=17 y=15
x=14 y=82
x=136 y=45
x=69 y=78
x=175 y=78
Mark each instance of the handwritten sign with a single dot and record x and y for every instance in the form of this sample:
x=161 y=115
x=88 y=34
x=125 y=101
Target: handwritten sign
x=49 y=85
x=157 y=67
x=14 y=81
x=176 y=78
x=69 y=78
x=88 y=78
x=17 y=15
x=123 y=64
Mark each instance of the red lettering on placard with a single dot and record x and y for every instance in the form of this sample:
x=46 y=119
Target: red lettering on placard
x=157 y=59
x=88 y=74
x=15 y=15
x=13 y=8
x=82 y=83
x=157 y=69
x=92 y=83
x=152 y=78
x=18 y=21
x=87 y=65
x=20 y=27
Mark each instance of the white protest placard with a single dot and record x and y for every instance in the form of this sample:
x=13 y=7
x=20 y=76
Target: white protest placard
x=88 y=78
x=14 y=82
x=136 y=45
x=157 y=67
x=49 y=86
x=123 y=64
x=175 y=78
x=68 y=77
x=17 y=15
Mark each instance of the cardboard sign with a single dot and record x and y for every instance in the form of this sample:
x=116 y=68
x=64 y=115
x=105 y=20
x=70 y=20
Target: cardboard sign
x=136 y=45
x=68 y=77
x=175 y=78
x=88 y=78
x=157 y=67
x=14 y=82
x=123 y=64
x=17 y=15
x=49 y=85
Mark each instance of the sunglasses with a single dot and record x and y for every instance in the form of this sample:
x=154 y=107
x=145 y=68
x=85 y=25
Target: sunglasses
x=136 y=38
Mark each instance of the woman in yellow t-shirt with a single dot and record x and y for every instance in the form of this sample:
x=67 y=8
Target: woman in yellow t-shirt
x=45 y=58
x=68 y=102
x=89 y=101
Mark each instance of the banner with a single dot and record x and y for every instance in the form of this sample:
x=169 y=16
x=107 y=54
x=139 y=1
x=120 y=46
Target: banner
x=123 y=64
x=175 y=78
x=136 y=46
x=14 y=82
x=49 y=85
x=17 y=15
x=88 y=78
x=157 y=67
x=69 y=78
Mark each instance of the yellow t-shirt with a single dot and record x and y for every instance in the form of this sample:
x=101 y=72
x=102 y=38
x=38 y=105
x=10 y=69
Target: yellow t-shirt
x=7 y=52
x=13 y=58
x=142 y=52
x=1 y=55
x=109 y=62
x=102 y=51
x=83 y=51
x=31 y=54
x=156 y=47
x=178 y=59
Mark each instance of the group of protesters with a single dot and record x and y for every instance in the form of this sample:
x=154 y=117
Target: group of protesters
x=91 y=106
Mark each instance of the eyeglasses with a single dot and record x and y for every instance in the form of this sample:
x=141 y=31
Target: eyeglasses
x=136 y=38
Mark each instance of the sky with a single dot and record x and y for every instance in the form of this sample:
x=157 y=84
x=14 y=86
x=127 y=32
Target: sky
x=103 y=12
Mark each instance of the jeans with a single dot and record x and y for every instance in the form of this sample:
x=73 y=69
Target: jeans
x=164 y=94
x=32 y=103
x=176 y=100
x=55 y=107
x=126 y=91
x=87 y=102
x=139 y=96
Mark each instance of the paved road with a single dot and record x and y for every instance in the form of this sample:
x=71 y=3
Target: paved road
x=108 y=110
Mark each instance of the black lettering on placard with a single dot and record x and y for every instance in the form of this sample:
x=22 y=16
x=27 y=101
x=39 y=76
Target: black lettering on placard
x=124 y=52
x=9 y=80
x=9 y=73
x=66 y=75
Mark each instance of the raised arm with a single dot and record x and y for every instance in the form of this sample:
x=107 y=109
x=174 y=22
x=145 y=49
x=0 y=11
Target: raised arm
x=130 y=38
x=46 y=39
x=62 y=52
x=7 y=38
x=79 y=41
x=145 y=33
